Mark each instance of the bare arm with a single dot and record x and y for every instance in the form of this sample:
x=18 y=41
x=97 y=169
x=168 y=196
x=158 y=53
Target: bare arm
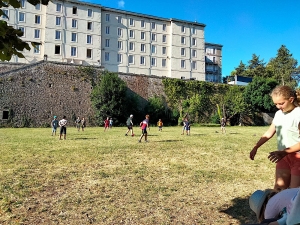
x=264 y=138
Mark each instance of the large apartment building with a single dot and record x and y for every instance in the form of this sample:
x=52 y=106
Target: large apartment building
x=120 y=41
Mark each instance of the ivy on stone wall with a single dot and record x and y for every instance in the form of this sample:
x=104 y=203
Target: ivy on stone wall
x=199 y=100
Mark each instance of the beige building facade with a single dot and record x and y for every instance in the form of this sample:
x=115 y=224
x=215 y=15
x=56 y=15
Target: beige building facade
x=120 y=41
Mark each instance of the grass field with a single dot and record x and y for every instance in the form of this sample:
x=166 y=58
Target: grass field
x=97 y=177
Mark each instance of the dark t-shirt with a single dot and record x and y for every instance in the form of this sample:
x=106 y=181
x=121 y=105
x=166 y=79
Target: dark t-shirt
x=128 y=122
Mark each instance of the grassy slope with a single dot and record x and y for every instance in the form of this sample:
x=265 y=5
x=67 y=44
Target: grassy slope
x=97 y=177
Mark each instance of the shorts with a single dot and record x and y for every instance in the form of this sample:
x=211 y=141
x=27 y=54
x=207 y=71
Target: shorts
x=54 y=129
x=290 y=162
x=144 y=131
x=187 y=128
x=63 y=130
x=106 y=125
x=129 y=127
x=77 y=125
x=160 y=127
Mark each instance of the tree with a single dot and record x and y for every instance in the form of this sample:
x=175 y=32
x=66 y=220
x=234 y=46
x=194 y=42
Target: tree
x=234 y=103
x=256 y=67
x=257 y=94
x=108 y=97
x=241 y=70
x=283 y=66
x=10 y=41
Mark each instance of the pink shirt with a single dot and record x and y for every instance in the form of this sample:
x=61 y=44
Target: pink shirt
x=279 y=201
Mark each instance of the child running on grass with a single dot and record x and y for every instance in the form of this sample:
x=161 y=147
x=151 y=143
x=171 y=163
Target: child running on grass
x=187 y=126
x=160 y=125
x=106 y=123
x=144 y=125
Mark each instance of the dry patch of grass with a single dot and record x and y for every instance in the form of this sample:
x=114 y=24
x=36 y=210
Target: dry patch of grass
x=97 y=177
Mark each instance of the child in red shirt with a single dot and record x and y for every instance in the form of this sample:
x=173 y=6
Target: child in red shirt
x=144 y=125
x=106 y=123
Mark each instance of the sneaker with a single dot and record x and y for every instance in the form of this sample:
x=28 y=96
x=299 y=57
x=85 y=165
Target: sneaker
x=146 y=141
x=139 y=141
x=126 y=134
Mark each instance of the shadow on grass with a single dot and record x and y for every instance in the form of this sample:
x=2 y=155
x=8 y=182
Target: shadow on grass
x=168 y=141
x=197 y=135
x=83 y=138
x=239 y=209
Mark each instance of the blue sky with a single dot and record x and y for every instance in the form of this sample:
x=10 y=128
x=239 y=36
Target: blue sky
x=243 y=27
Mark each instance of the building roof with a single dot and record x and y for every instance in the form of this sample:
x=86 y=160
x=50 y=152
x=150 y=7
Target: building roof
x=213 y=44
x=135 y=14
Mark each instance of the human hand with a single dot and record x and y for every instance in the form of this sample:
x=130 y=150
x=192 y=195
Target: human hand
x=253 y=153
x=276 y=156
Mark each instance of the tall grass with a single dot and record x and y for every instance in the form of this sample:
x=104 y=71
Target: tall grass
x=97 y=177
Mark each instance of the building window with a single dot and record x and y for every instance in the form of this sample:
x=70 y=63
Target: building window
x=194 y=53
x=58 y=7
x=153 y=37
x=120 y=45
x=131 y=46
x=194 y=42
x=5 y=115
x=164 y=27
x=38 y=6
x=58 y=21
x=23 y=30
x=73 y=51
x=131 y=22
x=163 y=62
x=119 y=58
x=130 y=59
x=107 y=29
x=183 y=29
x=182 y=51
x=36 y=49
x=164 y=38
x=131 y=33
x=164 y=50
x=74 y=11
x=23 y=4
x=74 y=37
x=89 y=39
x=107 y=17
x=21 y=17
x=89 y=25
x=142 y=60
x=119 y=18
x=89 y=53
x=90 y=13
x=74 y=23
x=193 y=30
x=143 y=48
x=153 y=25
x=57 y=50
x=142 y=23
x=194 y=65
x=57 y=35
x=153 y=61
x=37 y=33
x=142 y=35
x=5 y=14
x=153 y=48
x=106 y=56
x=182 y=63
x=120 y=32
x=37 y=19
x=182 y=40
x=106 y=42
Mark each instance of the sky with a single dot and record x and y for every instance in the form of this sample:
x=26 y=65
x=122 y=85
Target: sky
x=243 y=27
